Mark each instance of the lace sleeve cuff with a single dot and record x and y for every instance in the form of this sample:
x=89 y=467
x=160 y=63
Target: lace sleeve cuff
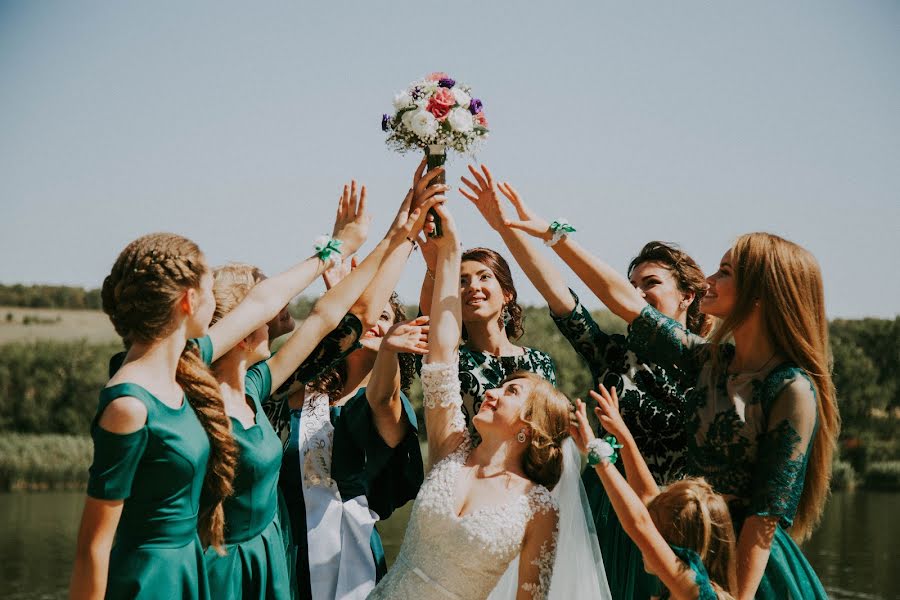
x=440 y=384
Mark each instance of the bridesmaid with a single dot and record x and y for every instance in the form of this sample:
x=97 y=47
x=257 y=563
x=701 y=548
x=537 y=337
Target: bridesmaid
x=652 y=396
x=254 y=565
x=161 y=435
x=762 y=416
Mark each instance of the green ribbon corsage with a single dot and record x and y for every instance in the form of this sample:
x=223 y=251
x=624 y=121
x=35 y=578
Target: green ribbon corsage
x=603 y=450
x=559 y=229
x=328 y=249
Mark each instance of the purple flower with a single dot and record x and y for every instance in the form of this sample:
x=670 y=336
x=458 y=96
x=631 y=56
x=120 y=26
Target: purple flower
x=475 y=106
x=385 y=122
x=446 y=82
x=416 y=93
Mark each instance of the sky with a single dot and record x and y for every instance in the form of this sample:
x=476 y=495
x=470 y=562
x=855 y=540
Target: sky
x=237 y=124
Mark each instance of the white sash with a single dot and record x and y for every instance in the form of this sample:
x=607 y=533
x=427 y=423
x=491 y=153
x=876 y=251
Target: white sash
x=341 y=564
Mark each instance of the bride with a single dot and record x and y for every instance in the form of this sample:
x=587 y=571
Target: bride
x=482 y=508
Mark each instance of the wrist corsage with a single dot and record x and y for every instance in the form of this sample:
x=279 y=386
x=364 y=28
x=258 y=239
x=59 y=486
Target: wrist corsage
x=559 y=229
x=328 y=249
x=603 y=450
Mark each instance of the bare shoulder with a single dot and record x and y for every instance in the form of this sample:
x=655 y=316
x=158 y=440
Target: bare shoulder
x=124 y=415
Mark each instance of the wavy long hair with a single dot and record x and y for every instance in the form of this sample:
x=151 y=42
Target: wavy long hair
x=514 y=325
x=139 y=295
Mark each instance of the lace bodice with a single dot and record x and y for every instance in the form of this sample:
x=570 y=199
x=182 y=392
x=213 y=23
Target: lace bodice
x=447 y=556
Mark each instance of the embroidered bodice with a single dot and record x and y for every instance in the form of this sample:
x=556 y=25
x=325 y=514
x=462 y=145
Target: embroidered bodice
x=444 y=555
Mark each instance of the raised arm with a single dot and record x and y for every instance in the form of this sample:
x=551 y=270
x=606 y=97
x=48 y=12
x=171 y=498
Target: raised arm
x=539 y=269
x=635 y=519
x=383 y=389
x=269 y=296
x=440 y=373
x=328 y=311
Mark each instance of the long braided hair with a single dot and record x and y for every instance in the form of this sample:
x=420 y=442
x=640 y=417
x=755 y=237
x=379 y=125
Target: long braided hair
x=139 y=296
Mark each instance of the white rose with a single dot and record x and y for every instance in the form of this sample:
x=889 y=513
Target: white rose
x=462 y=98
x=402 y=100
x=460 y=119
x=423 y=124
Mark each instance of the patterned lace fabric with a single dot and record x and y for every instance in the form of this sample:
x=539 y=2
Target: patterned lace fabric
x=333 y=348
x=705 y=589
x=749 y=434
x=447 y=556
x=651 y=398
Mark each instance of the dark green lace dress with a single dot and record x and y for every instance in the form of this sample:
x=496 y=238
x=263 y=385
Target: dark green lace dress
x=255 y=566
x=158 y=471
x=749 y=436
x=705 y=589
x=651 y=401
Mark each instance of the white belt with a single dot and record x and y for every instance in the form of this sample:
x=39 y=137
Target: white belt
x=430 y=581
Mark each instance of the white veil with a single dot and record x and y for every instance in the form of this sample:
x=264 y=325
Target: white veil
x=578 y=570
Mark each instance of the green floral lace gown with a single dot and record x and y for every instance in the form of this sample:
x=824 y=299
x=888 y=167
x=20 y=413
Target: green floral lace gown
x=651 y=400
x=158 y=471
x=749 y=436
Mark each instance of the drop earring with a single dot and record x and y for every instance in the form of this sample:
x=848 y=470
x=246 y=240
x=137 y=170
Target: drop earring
x=520 y=437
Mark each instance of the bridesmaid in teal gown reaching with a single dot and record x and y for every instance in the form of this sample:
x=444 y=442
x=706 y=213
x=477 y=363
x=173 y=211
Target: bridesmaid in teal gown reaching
x=762 y=418
x=254 y=564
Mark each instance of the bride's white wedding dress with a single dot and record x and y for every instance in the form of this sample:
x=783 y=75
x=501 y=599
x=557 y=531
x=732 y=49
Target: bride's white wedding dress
x=446 y=556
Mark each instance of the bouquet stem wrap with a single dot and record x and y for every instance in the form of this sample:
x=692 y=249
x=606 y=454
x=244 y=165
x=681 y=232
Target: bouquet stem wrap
x=435 y=157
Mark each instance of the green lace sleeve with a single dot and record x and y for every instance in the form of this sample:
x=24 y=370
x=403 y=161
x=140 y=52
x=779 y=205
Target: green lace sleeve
x=656 y=338
x=789 y=407
x=585 y=336
x=705 y=590
x=333 y=348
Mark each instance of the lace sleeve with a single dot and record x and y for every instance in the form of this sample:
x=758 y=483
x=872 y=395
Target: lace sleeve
x=539 y=547
x=444 y=420
x=790 y=406
x=691 y=559
x=658 y=339
x=585 y=336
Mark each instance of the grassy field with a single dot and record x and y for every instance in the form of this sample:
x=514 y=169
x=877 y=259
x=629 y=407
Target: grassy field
x=31 y=324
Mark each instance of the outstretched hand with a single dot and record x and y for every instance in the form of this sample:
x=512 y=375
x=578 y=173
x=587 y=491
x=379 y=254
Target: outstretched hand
x=580 y=428
x=484 y=196
x=529 y=221
x=450 y=238
x=334 y=275
x=607 y=410
x=351 y=223
x=407 y=337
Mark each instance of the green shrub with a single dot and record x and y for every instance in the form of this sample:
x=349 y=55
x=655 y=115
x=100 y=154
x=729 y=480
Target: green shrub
x=883 y=476
x=843 y=477
x=30 y=462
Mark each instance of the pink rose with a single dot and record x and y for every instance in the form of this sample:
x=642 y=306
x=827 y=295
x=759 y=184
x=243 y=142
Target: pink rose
x=440 y=103
x=437 y=76
x=481 y=120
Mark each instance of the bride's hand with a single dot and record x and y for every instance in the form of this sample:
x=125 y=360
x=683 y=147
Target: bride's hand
x=484 y=197
x=529 y=221
x=607 y=411
x=579 y=427
x=351 y=223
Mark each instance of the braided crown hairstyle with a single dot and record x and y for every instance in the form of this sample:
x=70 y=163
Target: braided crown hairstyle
x=139 y=295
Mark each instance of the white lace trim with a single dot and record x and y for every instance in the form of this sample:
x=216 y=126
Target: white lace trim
x=542 y=501
x=440 y=384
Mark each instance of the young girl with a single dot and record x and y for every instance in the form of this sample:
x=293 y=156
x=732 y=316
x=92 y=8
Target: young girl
x=762 y=420
x=684 y=533
x=254 y=566
x=652 y=396
x=161 y=435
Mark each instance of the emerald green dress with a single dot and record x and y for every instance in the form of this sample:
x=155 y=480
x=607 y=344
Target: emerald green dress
x=651 y=400
x=705 y=589
x=255 y=565
x=158 y=471
x=749 y=435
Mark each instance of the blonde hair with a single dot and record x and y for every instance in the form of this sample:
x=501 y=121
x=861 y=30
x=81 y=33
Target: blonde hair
x=546 y=412
x=147 y=280
x=691 y=515
x=786 y=281
x=231 y=284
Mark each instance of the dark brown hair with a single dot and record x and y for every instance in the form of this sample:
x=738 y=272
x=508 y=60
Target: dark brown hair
x=331 y=383
x=148 y=278
x=495 y=262
x=687 y=273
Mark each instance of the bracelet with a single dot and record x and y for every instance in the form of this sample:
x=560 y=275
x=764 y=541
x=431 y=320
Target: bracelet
x=328 y=249
x=603 y=450
x=558 y=229
x=415 y=244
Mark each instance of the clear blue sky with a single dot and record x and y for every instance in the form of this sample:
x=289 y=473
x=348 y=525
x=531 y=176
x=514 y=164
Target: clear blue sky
x=236 y=124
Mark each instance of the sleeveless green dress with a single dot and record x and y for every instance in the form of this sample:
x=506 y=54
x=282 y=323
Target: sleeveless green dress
x=749 y=436
x=255 y=566
x=158 y=471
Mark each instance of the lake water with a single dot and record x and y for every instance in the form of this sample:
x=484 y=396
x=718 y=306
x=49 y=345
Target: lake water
x=855 y=550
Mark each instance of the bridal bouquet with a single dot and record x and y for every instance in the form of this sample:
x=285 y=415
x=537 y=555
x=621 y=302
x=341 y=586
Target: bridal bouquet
x=433 y=114
x=435 y=111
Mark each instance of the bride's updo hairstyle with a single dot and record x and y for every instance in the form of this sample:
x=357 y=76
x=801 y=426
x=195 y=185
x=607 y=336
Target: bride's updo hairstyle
x=547 y=413
x=139 y=295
